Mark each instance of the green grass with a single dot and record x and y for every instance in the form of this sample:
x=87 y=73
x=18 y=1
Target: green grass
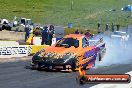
x=85 y=13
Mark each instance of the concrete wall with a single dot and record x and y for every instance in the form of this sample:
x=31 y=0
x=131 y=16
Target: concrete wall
x=4 y=43
x=11 y=35
x=9 y=51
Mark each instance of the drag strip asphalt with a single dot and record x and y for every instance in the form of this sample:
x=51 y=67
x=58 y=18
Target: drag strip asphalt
x=15 y=75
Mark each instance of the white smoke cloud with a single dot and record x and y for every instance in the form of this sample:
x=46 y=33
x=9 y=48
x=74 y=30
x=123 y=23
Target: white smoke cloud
x=117 y=52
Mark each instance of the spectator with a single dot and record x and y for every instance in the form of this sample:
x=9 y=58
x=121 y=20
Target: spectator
x=27 y=30
x=44 y=35
x=112 y=27
x=77 y=32
x=87 y=34
x=51 y=27
x=118 y=27
x=107 y=27
x=98 y=27
x=51 y=32
x=30 y=29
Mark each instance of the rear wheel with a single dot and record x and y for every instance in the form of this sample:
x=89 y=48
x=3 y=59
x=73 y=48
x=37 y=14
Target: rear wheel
x=98 y=59
x=103 y=53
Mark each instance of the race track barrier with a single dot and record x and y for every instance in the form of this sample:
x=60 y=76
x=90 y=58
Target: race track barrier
x=13 y=51
x=11 y=35
x=36 y=48
x=19 y=50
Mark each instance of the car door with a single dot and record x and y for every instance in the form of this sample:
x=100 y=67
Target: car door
x=89 y=55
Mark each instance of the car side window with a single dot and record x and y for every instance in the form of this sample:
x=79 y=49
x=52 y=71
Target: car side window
x=85 y=42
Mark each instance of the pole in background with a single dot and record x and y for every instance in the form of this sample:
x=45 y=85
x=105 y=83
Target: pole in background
x=127 y=29
x=106 y=29
x=99 y=21
x=72 y=3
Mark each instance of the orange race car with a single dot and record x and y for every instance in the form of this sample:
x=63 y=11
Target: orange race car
x=71 y=52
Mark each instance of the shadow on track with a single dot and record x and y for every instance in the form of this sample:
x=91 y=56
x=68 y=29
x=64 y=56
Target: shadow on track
x=45 y=70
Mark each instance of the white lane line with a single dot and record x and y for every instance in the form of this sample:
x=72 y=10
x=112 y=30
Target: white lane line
x=129 y=85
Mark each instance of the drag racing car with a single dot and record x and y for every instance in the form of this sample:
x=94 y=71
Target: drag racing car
x=70 y=52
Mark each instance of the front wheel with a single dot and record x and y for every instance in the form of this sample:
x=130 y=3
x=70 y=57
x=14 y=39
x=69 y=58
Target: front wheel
x=69 y=68
x=81 y=80
x=36 y=67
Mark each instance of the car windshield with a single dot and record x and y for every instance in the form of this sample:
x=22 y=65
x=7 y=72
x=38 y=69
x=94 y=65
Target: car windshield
x=29 y=22
x=68 y=42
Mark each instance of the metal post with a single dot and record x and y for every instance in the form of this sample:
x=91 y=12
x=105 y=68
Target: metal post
x=99 y=21
x=72 y=2
x=106 y=29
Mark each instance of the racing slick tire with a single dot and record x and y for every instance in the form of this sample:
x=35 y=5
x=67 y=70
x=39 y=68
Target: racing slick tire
x=72 y=66
x=98 y=59
x=103 y=52
x=69 y=68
